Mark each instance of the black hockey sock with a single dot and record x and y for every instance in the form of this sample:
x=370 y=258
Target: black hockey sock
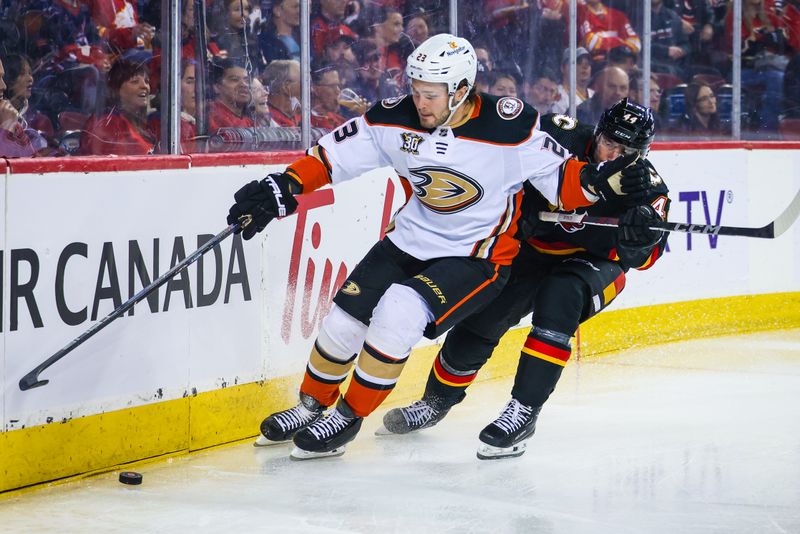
x=543 y=357
x=447 y=386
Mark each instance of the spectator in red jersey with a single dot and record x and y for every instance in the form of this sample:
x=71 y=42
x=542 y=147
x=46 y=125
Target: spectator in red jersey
x=330 y=14
x=790 y=16
x=123 y=129
x=118 y=24
x=231 y=85
x=325 y=90
x=282 y=79
x=337 y=42
x=601 y=28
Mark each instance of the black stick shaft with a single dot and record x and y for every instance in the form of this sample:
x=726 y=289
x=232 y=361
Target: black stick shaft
x=31 y=380
x=782 y=222
x=763 y=232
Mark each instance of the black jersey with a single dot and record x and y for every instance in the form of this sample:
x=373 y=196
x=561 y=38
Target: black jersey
x=566 y=239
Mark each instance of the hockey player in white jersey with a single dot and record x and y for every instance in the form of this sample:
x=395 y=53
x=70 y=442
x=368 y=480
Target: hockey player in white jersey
x=462 y=159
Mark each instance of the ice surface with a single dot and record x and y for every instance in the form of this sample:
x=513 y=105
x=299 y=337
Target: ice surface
x=700 y=436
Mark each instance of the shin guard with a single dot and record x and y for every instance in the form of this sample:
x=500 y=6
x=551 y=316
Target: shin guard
x=323 y=375
x=543 y=357
x=446 y=385
x=374 y=378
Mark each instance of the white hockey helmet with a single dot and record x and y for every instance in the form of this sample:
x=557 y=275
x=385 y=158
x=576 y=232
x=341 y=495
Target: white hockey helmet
x=444 y=58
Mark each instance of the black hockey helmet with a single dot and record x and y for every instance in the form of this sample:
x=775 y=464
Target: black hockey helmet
x=629 y=124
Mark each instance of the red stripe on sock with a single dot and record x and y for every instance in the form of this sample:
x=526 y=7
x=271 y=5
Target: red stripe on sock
x=451 y=379
x=548 y=350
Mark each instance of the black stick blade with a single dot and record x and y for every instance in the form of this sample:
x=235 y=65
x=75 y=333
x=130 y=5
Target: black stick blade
x=31 y=381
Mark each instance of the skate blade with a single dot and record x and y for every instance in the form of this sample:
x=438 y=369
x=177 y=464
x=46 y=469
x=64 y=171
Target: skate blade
x=383 y=431
x=262 y=441
x=489 y=452
x=300 y=454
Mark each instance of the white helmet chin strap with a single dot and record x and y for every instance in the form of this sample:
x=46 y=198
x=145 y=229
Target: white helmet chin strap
x=452 y=107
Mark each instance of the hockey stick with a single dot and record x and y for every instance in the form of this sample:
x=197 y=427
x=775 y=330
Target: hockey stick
x=770 y=231
x=31 y=380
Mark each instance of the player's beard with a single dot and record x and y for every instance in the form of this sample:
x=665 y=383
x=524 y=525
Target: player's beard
x=434 y=121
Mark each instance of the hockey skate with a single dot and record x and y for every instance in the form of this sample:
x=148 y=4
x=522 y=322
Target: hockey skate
x=327 y=436
x=506 y=436
x=417 y=416
x=281 y=427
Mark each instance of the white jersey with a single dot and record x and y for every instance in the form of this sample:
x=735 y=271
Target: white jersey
x=466 y=181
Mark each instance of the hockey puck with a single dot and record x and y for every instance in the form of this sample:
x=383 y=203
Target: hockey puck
x=130 y=477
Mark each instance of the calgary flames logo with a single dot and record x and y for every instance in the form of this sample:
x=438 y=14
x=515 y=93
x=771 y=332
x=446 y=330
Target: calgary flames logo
x=572 y=227
x=444 y=190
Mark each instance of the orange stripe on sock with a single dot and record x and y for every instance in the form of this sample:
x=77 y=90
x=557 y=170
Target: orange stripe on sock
x=363 y=400
x=326 y=394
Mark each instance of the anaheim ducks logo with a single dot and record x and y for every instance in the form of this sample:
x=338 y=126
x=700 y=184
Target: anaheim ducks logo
x=509 y=107
x=444 y=190
x=351 y=288
x=572 y=227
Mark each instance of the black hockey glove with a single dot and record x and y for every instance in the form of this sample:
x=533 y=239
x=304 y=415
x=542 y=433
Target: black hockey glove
x=265 y=200
x=634 y=231
x=604 y=179
x=635 y=183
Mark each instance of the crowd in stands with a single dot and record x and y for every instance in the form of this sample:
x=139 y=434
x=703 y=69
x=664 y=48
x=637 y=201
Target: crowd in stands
x=83 y=76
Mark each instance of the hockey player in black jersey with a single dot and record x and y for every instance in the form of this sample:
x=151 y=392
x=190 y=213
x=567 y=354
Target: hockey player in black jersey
x=565 y=274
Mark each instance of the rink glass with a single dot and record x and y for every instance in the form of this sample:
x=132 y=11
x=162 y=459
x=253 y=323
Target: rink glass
x=751 y=68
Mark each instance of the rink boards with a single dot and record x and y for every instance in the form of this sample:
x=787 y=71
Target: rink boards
x=207 y=356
